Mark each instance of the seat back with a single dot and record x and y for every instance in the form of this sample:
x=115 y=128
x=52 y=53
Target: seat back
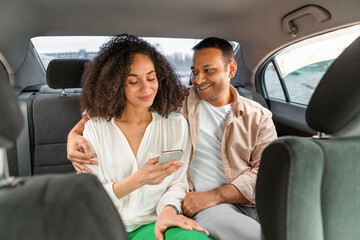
x=308 y=188
x=11 y=122
x=252 y=95
x=57 y=207
x=66 y=206
x=54 y=115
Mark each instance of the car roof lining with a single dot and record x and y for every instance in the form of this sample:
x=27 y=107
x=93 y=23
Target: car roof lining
x=260 y=34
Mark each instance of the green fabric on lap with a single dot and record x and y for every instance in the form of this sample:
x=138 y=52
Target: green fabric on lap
x=175 y=233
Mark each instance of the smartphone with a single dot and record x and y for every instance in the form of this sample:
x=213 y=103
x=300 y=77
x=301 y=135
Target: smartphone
x=167 y=156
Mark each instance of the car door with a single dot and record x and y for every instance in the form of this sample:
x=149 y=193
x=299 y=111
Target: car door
x=288 y=79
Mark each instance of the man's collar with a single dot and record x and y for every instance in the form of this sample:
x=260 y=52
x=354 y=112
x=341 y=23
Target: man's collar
x=237 y=106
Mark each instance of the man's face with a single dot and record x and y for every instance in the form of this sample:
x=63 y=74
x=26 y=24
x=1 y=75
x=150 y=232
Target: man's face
x=210 y=74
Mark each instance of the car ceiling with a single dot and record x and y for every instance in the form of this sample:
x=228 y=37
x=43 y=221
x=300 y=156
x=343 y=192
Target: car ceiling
x=255 y=24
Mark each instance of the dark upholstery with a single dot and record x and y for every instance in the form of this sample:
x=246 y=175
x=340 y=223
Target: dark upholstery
x=340 y=191
x=11 y=119
x=51 y=206
x=252 y=95
x=54 y=115
x=287 y=192
x=340 y=86
x=60 y=207
x=308 y=188
x=49 y=90
x=65 y=73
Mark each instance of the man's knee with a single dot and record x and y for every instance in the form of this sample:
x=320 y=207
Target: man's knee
x=216 y=216
x=225 y=222
x=208 y=214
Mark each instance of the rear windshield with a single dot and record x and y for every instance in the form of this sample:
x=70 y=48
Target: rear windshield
x=178 y=51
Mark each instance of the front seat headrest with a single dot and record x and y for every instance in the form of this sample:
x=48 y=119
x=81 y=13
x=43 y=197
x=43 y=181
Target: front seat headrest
x=11 y=120
x=334 y=107
x=65 y=73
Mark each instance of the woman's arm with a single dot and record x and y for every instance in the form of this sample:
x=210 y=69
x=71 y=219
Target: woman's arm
x=127 y=185
x=178 y=138
x=149 y=174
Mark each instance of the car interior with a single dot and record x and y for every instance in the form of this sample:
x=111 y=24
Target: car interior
x=311 y=177
x=287 y=61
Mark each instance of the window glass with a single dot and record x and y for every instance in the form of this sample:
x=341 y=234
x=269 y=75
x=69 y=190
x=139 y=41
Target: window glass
x=302 y=82
x=303 y=64
x=178 y=51
x=272 y=83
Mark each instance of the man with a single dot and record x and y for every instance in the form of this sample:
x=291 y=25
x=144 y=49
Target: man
x=228 y=135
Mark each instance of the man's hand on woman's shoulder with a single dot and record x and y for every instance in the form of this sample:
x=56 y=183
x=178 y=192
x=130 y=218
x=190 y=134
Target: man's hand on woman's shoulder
x=78 y=149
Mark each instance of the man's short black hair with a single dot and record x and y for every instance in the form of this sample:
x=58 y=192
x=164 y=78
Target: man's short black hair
x=218 y=43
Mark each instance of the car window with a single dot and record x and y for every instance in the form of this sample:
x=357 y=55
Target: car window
x=299 y=67
x=178 y=51
x=273 y=85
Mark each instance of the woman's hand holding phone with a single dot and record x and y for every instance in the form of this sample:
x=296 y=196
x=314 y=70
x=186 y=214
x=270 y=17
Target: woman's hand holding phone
x=167 y=156
x=153 y=173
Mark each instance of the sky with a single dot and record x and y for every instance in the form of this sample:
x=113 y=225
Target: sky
x=92 y=44
x=317 y=49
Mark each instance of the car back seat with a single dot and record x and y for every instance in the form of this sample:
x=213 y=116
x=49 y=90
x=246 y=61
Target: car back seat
x=54 y=113
x=252 y=95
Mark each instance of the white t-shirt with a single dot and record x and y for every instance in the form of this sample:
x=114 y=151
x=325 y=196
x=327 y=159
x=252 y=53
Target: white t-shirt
x=206 y=169
x=117 y=161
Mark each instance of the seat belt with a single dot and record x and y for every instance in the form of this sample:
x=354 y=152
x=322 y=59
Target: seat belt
x=23 y=141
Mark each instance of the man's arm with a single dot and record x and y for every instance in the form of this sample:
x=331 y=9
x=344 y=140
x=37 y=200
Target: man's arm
x=195 y=202
x=78 y=149
x=246 y=181
x=242 y=188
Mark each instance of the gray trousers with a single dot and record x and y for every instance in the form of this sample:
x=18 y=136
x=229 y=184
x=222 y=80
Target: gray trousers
x=230 y=222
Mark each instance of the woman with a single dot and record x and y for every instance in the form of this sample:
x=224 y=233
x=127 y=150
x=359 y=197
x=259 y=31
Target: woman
x=130 y=93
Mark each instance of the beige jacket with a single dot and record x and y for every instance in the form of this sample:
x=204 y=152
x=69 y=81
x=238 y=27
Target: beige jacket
x=248 y=130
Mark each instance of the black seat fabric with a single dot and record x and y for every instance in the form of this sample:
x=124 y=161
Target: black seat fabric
x=252 y=95
x=54 y=115
x=53 y=118
x=308 y=188
x=11 y=119
x=65 y=73
x=11 y=122
x=46 y=89
x=66 y=206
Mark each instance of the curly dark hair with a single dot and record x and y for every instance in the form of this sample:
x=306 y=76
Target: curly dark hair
x=103 y=81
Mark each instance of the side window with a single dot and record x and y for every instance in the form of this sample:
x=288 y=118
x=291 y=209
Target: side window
x=302 y=65
x=302 y=82
x=272 y=83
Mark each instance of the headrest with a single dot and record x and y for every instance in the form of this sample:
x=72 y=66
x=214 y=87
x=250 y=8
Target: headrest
x=11 y=120
x=65 y=73
x=334 y=107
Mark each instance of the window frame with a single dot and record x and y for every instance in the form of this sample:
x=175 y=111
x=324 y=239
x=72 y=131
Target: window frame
x=260 y=73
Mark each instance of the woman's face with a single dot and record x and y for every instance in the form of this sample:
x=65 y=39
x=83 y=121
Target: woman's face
x=141 y=85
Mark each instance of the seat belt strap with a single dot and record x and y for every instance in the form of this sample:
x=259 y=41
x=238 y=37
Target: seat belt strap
x=23 y=141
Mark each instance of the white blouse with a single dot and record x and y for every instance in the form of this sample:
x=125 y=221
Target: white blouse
x=117 y=161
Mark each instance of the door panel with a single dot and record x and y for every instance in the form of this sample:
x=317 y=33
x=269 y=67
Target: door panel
x=289 y=119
